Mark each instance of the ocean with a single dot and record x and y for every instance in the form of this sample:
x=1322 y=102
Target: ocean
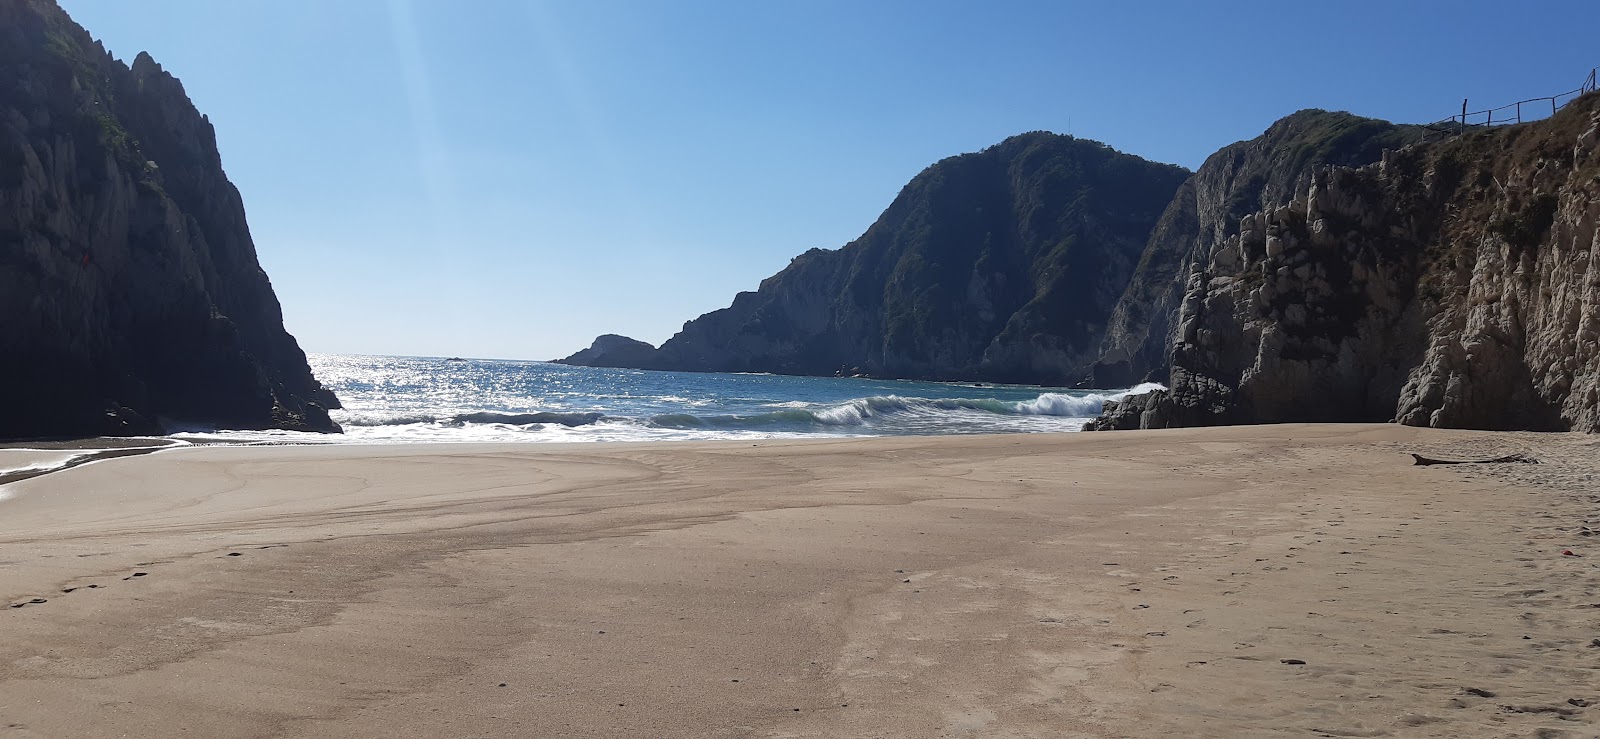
x=402 y=399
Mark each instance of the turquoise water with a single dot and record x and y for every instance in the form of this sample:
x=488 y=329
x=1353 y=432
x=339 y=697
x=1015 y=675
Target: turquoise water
x=434 y=399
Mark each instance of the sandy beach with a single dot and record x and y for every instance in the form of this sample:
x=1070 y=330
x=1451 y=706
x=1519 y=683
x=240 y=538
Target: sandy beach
x=1227 y=582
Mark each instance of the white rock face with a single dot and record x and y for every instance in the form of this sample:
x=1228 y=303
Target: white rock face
x=1457 y=284
x=1238 y=200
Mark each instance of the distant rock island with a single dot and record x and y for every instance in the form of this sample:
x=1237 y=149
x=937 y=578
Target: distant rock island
x=1335 y=268
x=130 y=295
x=611 y=350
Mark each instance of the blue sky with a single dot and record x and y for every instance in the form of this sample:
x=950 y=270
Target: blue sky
x=509 y=178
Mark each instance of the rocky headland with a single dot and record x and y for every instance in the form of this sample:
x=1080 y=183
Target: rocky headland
x=611 y=350
x=1237 y=180
x=1452 y=284
x=1335 y=268
x=131 y=299
x=1002 y=265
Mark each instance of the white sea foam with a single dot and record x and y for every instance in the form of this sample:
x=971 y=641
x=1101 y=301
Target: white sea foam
x=1081 y=406
x=36 y=460
x=422 y=399
x=29 y=463
x=876 y=414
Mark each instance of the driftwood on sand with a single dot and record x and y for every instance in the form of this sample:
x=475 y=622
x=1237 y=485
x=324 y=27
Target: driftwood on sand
x=1518 y=458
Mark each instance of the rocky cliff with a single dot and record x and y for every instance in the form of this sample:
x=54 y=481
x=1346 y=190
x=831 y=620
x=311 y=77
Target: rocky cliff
x=1001 y=265
x=1453 y=284
x=130 y=294
x=1243 y=177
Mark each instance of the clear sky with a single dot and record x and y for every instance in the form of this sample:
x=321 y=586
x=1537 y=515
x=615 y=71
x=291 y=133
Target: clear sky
x=509 y=178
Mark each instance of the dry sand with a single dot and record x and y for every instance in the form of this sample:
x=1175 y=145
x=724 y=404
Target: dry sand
x=1099 y=585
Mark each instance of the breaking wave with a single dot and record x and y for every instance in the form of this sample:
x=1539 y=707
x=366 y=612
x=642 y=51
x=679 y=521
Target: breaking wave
x=428 y=399
x=866 y=411
x=512 y=419
x=791 y=416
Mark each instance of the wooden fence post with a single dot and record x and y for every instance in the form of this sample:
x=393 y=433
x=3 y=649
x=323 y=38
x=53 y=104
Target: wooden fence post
x=1590 y=84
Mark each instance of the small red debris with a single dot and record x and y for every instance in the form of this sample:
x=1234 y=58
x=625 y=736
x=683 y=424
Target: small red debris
x=1569 y=553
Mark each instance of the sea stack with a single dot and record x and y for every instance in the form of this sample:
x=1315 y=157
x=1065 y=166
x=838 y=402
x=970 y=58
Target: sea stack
x=612 y=350
x=131 y=300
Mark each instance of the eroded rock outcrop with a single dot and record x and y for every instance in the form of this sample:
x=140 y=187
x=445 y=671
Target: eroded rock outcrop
x=1001 y=265
x=612 y=350
x=1240 y=178
x=1453 y=284
x=130 y=294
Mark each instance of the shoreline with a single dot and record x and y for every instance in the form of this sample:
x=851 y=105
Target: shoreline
x=1117 y=584
x=66 y=461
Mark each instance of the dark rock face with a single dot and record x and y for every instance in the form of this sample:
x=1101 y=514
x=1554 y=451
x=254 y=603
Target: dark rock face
x=130 y=294
x=611 y=350
x=1239 y=179
x=1001 y=265
x=1453 y=284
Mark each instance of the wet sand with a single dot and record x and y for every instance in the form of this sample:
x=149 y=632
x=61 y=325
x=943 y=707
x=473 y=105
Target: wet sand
x=1255 y=581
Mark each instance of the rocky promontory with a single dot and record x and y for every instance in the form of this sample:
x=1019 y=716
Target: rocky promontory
x=611 y=350
x=131 y=300
x=1454 y=283
x=1238 y=179
x=1002 y=265
x=1335 y=268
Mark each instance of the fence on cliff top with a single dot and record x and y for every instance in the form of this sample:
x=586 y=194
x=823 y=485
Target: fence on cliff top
x=1511 y=114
